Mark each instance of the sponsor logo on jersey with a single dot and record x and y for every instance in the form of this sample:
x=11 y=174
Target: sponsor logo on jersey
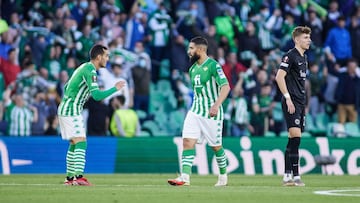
x=285 y=59
x=221 y=73
x=284 y=64
x=302 y=74
x=94 y=78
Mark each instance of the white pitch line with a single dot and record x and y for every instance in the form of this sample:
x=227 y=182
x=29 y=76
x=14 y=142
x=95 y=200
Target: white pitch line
x=338 y=192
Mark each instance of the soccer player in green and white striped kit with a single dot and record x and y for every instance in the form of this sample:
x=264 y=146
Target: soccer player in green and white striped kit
x=81 y=85
x=204 y=121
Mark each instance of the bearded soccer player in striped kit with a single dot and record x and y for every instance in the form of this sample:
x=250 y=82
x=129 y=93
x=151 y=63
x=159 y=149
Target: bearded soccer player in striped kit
x=204 y=121
x=81 y=85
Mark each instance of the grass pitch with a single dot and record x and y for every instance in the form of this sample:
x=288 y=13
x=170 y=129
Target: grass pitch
x=153 y=188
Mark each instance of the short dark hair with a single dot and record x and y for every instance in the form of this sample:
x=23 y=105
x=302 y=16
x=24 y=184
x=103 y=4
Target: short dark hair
x=10 y=50
x=97 y=50
x=121 y=99
x=300 y=30
x=199 y=41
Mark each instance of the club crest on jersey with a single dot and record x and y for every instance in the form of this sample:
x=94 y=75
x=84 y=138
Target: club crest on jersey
x=284 y=62
x=205 y=68
x=285 y=59
x=94 y=78
x=220 y=73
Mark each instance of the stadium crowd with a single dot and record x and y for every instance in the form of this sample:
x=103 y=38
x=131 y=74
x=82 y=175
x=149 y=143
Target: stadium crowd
x=42 y=42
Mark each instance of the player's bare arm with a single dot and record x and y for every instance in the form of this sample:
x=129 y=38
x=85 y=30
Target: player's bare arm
x=280 y=80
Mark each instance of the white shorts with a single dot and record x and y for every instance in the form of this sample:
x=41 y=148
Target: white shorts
x=71 y=127
x=200 y=128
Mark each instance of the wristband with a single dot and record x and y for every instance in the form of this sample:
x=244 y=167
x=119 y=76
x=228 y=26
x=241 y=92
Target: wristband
x=287 y=96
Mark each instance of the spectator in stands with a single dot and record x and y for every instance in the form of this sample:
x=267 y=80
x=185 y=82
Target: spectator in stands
x=54 y=61
x=18 y=115
x=28 y=82
x=98 y=119
x=338 y=43
x=232 y=69
x=110 y=78
x=264 y=33
x=248 y=44
x=226 y=26
x=141 y=74
x=249 y=80
x=38 y=127
x=188 y=19
x=354 y=30
x=237 y=113
x=348 y=80
x=317 y=83
x=261 y=111
x=124 y=122
x=134 y=29
x=210 y=36
x=332 y=15
x=84 y=44
x=61 y=83
x=159 y=27
x=292 y=7
x=5 y=44
x=9 y=68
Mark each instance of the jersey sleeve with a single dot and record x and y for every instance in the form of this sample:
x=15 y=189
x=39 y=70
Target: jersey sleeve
x=91 y=80
x=219 y=75
x=286 y=62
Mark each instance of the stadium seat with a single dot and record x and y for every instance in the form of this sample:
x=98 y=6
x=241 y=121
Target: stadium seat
x=270 y=134
x=336 y=130
x=165 y=68
x=321 y=121
x=352 y=129
x=277 y=112
x=150 y=126
x=309 y=123
x=163 y=86
x=305 y=134
x=284 y=134
x=176 y=120
x=144 y=133
x=141 y=114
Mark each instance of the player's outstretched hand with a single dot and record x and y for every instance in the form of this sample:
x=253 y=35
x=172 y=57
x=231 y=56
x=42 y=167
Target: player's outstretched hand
x=120 y=85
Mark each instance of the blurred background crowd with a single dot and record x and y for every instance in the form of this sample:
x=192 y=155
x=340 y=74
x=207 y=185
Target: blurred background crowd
x=42 y=42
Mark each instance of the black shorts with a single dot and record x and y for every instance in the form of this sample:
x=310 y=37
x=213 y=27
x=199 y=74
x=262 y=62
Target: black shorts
x=296 y=119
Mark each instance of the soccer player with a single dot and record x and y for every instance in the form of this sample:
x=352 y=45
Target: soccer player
x=291 y=78
x=81 y=85
x=204 y=121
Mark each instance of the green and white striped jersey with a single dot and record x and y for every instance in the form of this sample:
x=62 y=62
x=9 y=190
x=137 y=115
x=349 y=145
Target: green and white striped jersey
x=77 y=90
x=206 y=80
x=19 y=119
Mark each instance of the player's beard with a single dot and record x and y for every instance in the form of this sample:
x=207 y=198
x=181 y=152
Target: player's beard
x=194 y=58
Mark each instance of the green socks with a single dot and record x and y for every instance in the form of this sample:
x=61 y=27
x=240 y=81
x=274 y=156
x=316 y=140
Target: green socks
x=221 y=160
x=189 y=155
x=70 y=165
x=187 y=160
x=79 y=158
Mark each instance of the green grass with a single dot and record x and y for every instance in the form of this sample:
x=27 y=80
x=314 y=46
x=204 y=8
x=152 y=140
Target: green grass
x=151 y=188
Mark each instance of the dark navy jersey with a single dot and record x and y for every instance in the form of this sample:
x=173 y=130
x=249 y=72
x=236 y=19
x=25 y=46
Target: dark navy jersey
x=295 y=66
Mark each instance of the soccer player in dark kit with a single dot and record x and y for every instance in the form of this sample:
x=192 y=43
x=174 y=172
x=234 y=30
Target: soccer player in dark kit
x=291 y=78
